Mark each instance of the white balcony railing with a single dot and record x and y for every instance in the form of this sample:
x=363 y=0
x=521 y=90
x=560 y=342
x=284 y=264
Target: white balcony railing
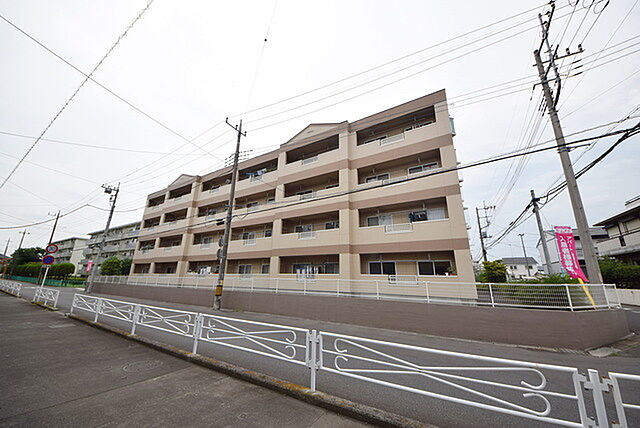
x=205 y=245
x=249 y=241
x=398 y=228
x=310 y=195
x=310 y=234
x=391 y=140
x=307 y=161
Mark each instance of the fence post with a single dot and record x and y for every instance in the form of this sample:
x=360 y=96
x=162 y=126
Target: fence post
x=426 y=288
x=337 y=287
x=98 y=306
x=606 y=297
x=378 y=290
x=569 y=297
x=598 y=388
x=135 y=318
x=312 y=342
x=493 y=303
x=55 y=300
x=277 y=284
x=73 y=303
x=197 y=330
x=252 y=280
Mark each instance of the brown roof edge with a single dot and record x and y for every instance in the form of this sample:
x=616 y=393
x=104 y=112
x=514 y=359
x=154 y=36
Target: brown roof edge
x=625 y=213
x=340 y=127
x=400 y=110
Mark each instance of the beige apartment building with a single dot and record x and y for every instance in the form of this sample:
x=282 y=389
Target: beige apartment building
x=352 y=201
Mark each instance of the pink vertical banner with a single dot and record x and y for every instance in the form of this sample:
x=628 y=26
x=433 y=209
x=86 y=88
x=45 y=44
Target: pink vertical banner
x=568 y=253
x=89 y=265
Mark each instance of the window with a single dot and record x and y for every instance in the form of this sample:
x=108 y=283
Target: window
x=436 y=213
x=252 y=204
x=332 y=225
x=307 y=269
x=271 y=200
x=418 y=216
x=331 y=268
x=304 y=228
x=382 y=268
x=248 y=235
x=264 y=269
x=331 y=186
x=378 y=177
x=375 y=139
x=244 y=269
x=268 y=233
x=436 y=267
x=304 y=192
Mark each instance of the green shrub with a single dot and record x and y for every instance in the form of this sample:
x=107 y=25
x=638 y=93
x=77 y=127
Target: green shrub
x=622 y=274
x=111 y=266
x=494 y=271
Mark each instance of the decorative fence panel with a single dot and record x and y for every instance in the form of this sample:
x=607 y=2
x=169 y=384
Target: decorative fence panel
x=547 y=393
x=46 y=296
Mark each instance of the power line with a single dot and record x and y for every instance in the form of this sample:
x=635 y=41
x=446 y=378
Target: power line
x=85 y=80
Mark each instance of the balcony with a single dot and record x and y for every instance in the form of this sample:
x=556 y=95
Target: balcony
x=250 y=244
x=309 y=238
x=311 y=187
x=311 y=155
x=422 y=230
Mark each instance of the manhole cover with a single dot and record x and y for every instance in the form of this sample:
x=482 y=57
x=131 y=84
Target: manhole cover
x=141 y=366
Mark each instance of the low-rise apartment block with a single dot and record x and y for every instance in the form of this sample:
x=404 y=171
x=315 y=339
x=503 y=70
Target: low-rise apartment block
x=598 y=234
x=120 y=242
x=71 y=250
x=623 y=234
x=368 y=199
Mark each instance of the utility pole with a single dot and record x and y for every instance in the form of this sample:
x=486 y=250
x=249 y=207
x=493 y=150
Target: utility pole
x=524 y=250
x=113 y=191
x=53 y=231
x=23 y=233
x=593 y=269
x=222 y=252
x=543 y=239
x=481 y=228
x=6 y=260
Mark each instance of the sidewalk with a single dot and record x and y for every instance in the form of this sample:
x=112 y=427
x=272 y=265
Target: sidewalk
x=57 y=372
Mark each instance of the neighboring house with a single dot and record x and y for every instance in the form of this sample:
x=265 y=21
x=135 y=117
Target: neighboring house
x=414 y=229
x=70 y=250
x=120 y=242
x=623 y=234
x=598 y=234
x=520 y=267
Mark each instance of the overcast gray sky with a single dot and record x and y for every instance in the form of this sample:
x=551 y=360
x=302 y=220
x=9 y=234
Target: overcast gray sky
x=189 y=64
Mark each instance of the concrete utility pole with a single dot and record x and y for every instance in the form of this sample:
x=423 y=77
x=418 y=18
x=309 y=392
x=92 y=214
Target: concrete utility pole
x=6 y=248
x=53 y=231
x=484 y=209
x=524 y=250
x=113 y=191
x=543 y=239
x=224 y=248
x=23 y=233
x=593 y=269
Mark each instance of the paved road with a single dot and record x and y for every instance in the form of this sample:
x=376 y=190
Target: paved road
x=58 y=372
x=426 y=409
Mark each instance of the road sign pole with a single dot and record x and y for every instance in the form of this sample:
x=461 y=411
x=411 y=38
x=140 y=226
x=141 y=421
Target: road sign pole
x=44 y=278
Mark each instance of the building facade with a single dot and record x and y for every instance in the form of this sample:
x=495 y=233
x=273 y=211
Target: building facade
x=598 y=234
x=368 y=199
x=71 y=250
x=623 y=234
x=520 y=267
x=120 y=242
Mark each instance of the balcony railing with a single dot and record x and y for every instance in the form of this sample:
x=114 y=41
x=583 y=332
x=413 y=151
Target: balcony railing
x=398 y=228
x=310 y=234
x=307 y=161
x=249 y=241
x=310 y=195
x=391 y=140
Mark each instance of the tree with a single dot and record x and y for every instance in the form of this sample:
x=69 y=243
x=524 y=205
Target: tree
x=111 y=266
x=27 y=255
x=494 y=271
x=126 y=266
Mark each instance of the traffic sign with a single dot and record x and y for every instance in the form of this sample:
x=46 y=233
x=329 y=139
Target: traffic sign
x=52 y=248
x=48 y=260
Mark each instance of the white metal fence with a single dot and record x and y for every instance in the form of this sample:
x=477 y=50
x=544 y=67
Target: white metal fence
x=541 y=296
x=10 y=287
x=542 y=392
x=47 y=296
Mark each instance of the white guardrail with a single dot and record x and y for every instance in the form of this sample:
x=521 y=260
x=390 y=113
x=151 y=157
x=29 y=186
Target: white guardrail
x=47 y=296
x=10 y=287
x=530 y=296
x=542 y=392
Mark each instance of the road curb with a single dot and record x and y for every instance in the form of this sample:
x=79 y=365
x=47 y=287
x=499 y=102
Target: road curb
x=339 y=405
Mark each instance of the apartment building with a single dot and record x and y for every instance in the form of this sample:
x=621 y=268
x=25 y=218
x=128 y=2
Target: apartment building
x=120 y=242
x=520 y=267
x=360 y=200
x=623 y=234
x=71 y=250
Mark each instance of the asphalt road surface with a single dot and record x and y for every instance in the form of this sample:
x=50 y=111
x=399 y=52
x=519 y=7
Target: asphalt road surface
x=427 y=409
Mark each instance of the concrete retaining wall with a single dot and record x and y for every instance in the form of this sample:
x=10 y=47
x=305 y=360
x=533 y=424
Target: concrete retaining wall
x=547 y=328
x=629 y=296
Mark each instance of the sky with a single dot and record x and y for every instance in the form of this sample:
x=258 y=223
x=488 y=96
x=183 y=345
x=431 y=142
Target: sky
x=185 y=66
